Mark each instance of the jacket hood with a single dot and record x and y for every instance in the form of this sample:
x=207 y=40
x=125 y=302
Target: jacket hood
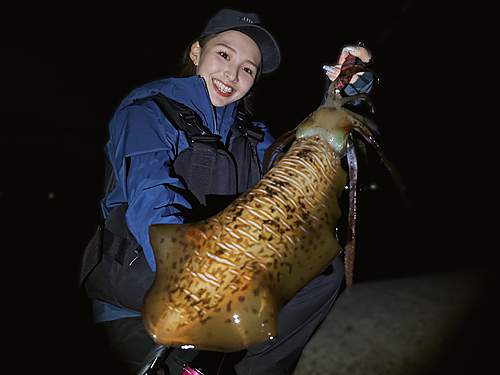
x=192 y=92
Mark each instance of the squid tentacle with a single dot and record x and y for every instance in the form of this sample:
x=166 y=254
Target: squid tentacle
x=368 y=136
x=369 y=124
x=362 y=97
x=350 y=245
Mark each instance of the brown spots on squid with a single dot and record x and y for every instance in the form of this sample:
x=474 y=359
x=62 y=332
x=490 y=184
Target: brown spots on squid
x=249 y=252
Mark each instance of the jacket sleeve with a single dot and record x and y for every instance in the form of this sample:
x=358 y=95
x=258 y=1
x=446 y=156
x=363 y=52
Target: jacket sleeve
x=363 y=85
x=141 y=149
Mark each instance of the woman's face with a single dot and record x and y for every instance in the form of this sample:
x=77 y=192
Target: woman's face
x=229 y=64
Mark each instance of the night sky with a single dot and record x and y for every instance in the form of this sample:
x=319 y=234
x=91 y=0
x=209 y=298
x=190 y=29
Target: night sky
x=69 y=67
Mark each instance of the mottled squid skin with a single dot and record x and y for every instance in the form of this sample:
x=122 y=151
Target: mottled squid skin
x=220 y=283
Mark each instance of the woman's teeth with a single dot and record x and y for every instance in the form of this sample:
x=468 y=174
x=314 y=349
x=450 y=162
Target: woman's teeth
x=222 y=87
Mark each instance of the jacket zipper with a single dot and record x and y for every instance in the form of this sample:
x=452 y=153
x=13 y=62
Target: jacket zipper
x=214 y=118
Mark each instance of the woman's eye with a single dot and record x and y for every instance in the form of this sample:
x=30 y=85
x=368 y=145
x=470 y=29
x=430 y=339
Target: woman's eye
x=249 y=71
x=224 y=55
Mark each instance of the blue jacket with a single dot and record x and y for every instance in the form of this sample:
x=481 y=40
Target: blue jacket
x=140 y=132
x=142 y=147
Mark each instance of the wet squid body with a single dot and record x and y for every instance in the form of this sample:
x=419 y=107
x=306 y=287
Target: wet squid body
x=221 y=283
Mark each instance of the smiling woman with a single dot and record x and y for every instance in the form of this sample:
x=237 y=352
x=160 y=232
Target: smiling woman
x=160 y=174
x=229 y=64
x=189 y=68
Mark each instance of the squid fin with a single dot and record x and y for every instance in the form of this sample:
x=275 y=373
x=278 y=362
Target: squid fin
x=193 y=300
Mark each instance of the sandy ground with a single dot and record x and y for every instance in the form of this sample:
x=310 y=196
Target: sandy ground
x=418 y=325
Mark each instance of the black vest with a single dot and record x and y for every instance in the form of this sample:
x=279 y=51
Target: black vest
x=114 y=268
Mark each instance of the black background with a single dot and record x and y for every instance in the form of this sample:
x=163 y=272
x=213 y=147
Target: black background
x=69 y=65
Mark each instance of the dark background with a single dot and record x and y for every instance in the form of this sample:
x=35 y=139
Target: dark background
x=68 y=67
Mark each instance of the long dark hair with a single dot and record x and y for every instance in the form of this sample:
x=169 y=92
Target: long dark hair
x=188 y=69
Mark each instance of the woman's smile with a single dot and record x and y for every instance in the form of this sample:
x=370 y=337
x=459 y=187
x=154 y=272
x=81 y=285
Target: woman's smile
x=222 y=89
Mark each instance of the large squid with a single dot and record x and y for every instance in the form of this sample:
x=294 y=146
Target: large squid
x=220 y=283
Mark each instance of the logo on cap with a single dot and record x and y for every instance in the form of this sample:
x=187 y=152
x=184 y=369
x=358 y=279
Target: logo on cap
x=246 y=19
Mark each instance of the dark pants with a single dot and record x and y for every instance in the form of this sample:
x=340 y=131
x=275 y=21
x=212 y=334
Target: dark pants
x=297 y=322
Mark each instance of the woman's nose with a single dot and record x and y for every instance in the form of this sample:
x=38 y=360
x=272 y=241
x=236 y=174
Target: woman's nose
x=231 y=74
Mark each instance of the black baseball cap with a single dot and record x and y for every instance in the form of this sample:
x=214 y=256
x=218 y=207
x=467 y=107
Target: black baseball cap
x=248 y=24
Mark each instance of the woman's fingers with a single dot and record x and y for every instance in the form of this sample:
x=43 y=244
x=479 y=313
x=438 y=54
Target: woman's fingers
x=357 y=51
x=332 y=71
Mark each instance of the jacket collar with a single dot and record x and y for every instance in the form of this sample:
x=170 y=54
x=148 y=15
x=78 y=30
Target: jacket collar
x=192 y=92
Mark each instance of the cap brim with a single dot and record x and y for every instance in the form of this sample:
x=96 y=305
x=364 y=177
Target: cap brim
x=268 y=47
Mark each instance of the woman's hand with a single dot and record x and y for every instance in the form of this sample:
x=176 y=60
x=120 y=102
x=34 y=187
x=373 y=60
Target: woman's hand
x=332 y=71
